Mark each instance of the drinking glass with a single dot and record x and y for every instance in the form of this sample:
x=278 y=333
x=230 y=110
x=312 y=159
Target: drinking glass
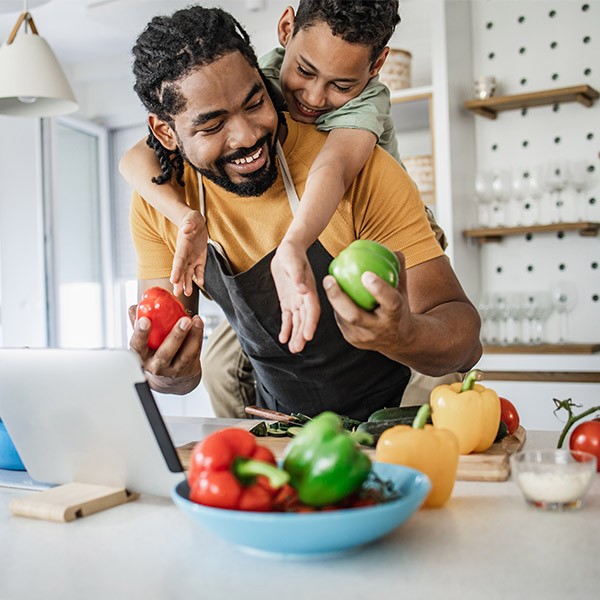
x=519 y=193
x=516 y=313
x=487 y=312
x=501 y=192
x=582 y=181
x=534 y=191
x=502 y=314
x=536 y=310
x=484 y=197
x=564 y=300
x=557 y=181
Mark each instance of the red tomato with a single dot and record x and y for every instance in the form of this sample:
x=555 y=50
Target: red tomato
x=509 y=415
x=163 y=310
x=586 y=437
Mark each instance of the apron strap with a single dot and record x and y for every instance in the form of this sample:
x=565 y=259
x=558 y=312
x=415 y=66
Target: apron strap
x=288 y=182
x=290 y=190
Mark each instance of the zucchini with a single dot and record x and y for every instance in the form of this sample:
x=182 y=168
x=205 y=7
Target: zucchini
x=376 y=428
x=259 y=430
x=405 y=414
x=502 y=432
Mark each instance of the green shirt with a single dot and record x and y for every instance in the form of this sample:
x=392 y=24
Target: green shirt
x=370 y=110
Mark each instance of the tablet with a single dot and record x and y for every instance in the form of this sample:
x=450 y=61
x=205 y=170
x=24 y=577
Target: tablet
x=87 y=416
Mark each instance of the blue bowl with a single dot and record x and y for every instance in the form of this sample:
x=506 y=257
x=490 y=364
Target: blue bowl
x=312 y=535
x=9 y=457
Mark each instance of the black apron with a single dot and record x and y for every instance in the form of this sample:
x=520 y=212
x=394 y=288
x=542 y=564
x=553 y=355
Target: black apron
x=329 y=374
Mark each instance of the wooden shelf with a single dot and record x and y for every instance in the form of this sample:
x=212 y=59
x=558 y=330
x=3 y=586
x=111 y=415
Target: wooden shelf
x=490 y=107
x=568 y=348
x=495 y=234
x=411 y=94
x=535 y=376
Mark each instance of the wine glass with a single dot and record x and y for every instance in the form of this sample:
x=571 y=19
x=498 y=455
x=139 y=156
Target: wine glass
x=501 y=191
x=557 y=181
x=537 y=308
x=502 y=313
x=581 y=180
x=534 y=191
x=519 y=193
x=487 y=312
x=516 y=312
x=484 y=197
x=564 y=300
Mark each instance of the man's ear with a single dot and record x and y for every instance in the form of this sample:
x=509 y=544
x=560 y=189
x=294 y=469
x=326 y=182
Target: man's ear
x=163 y=132
x=285 y=27
x=379 y=62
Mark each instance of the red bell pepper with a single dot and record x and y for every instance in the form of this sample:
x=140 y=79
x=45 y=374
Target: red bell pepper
x=228 y=469
x=164 y=310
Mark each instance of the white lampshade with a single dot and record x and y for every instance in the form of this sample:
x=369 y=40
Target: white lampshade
x=32 y=83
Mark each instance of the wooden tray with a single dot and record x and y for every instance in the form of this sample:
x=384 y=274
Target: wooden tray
x=492 y=465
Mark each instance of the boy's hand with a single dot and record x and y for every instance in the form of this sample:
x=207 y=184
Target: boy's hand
x=190 y=254
x=298 y=298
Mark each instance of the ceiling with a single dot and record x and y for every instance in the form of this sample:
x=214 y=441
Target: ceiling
x=80 y=31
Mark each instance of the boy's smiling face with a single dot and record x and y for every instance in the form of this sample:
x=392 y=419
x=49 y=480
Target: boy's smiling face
x=321 y=71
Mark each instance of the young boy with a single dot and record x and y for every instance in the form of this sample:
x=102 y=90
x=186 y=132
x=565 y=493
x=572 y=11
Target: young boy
x=327 y=76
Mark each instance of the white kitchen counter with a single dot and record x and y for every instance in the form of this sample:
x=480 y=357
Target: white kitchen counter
x=486 y=543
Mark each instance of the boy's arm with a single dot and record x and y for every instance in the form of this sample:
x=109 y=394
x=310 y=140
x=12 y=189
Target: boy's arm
x=138 y=166
x=338 y=163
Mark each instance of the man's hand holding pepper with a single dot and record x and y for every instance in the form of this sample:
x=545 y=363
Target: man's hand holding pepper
x=389 y=324
x=425 y=322
x=174 y=367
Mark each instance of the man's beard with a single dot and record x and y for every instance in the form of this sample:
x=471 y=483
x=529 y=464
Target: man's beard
x=255 y=183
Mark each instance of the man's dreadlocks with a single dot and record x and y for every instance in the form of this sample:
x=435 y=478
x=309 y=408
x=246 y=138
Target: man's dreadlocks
x=171 y=47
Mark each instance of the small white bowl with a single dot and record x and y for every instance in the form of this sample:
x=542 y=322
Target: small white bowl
x=553 y=479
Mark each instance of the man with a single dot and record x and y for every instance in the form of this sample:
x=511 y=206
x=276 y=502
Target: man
x=209 y=106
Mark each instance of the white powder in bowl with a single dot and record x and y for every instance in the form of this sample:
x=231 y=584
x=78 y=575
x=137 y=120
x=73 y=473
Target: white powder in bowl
x=554 y=487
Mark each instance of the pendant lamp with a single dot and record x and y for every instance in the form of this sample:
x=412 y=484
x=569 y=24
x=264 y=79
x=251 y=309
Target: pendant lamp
x=32 y=83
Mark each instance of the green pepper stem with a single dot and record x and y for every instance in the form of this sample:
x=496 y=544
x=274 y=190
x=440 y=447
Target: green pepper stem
x=470 y=379
x=572 y=420
x=248 y=469
x=421 y=417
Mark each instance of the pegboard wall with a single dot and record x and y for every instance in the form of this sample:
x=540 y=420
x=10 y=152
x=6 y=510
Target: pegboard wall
x=530 y=46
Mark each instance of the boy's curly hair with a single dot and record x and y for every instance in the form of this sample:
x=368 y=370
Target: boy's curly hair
x=367 y=22
x=171 y=47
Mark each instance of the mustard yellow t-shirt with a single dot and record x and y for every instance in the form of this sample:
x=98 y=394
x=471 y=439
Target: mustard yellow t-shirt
x=383 y=204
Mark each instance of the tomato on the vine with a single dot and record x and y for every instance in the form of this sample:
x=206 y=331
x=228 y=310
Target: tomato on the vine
x=509 y=415
x=164 y=310
x=586 y=438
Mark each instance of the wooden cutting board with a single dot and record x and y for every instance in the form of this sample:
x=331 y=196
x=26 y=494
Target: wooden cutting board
x=492 y=465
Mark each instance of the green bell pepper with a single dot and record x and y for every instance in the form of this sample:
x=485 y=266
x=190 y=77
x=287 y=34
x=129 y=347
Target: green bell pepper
x=361 y=256
x=324 y=462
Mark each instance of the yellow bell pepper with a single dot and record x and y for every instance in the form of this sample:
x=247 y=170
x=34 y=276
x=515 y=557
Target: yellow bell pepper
x=429 y=450
x=470 y=410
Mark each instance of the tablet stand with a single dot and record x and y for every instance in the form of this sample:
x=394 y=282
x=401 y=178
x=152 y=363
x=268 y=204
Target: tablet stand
x=70 y=501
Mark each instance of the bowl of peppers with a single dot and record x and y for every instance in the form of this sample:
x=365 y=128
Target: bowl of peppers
x=324 y=498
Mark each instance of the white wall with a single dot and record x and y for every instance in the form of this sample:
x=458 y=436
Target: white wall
x=22 y=284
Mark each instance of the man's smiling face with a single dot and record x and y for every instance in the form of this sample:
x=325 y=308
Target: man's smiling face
x=228 y=128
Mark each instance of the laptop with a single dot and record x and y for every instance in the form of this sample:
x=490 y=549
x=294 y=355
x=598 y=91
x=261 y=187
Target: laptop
x=86 y=416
